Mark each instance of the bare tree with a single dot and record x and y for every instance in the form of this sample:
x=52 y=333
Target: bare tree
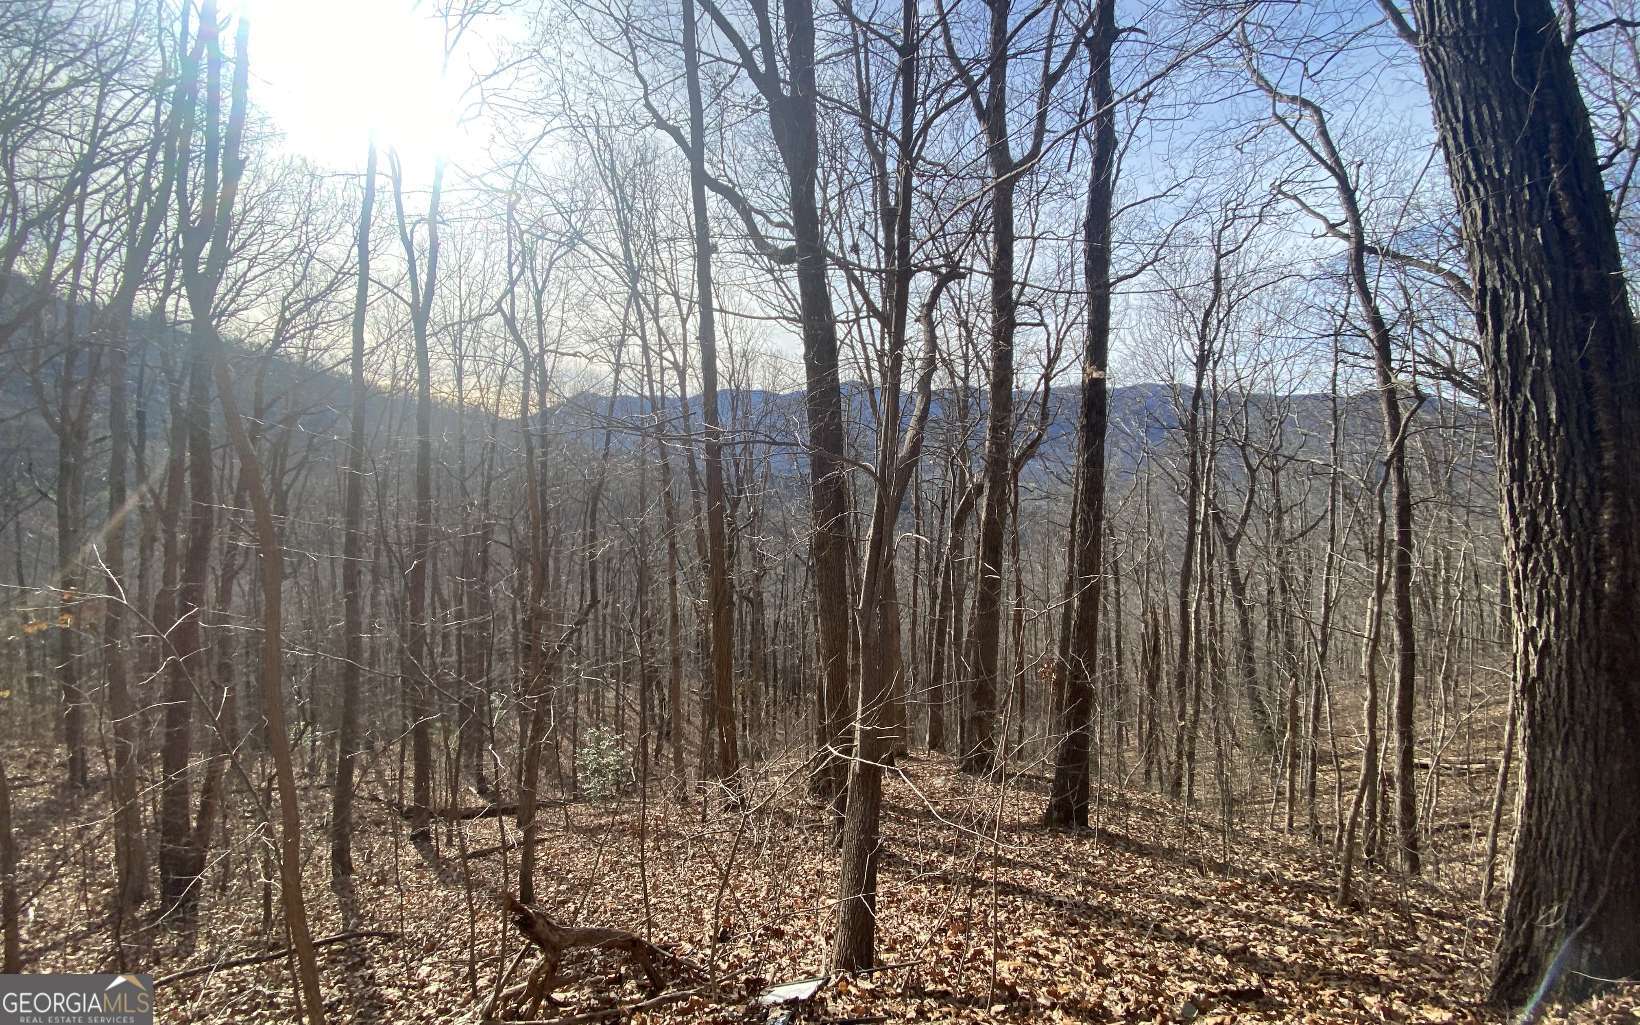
x=1324 y=152
x=1068 y=800
x=987 y=90
x=206 y=238
x=347 y=732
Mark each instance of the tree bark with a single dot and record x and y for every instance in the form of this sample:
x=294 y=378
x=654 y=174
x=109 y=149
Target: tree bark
x=1559 y=343
x=11 y=953
x=720 y=598
x=414 y=668
x=943 y=631
x=1068 y=799
x=347 y=732
x=985 y=636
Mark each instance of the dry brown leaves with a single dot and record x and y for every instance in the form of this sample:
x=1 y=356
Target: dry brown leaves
x=1153 y=917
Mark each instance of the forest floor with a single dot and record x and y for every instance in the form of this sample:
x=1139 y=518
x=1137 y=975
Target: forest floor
x=984 y=915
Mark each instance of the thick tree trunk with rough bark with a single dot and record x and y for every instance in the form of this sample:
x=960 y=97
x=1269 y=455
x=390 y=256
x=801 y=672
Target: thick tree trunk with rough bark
x=1563 y=368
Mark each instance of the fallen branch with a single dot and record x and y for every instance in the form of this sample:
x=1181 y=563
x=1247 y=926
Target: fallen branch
x=554 y=941
x=1471 y=766
x=241 y=962
x=614 y=1012
x=476 y=811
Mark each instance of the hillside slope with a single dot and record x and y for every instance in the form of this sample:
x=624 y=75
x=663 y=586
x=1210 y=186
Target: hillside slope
x=1157 y=917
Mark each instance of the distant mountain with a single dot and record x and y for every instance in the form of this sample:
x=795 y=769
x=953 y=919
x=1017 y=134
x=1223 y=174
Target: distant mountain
x=1143 y=417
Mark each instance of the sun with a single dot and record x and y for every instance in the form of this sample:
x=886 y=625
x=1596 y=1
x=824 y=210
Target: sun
x=332 y=73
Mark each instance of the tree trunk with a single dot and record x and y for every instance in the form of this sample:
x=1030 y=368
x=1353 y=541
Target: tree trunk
x=877 y=621
x=188 y=667
x=978 y=751
x=1184 y=660
x=720 y=597
x=1558 y=340
x=1394 y=427
x=130 y=856
x=1068 y=799
x=347 y=732
x=414 y=663
x=943 y=631
x=272 y=685
x=11 y=954
x=70 y=520
x=823 y=402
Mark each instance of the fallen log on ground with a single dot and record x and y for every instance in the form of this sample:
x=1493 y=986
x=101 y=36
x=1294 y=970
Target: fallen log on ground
x=241 y=962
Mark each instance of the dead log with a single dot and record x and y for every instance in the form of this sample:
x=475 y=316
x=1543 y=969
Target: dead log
x=554 y=941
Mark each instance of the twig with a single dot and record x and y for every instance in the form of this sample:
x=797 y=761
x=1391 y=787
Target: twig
x=241 y=962
x=500 y=983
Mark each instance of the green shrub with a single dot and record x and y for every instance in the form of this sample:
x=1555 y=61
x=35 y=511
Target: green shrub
x=602 y=764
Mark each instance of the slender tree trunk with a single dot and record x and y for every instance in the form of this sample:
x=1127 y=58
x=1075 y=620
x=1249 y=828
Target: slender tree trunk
x=189 y=668
x=130 y=855
x=985 y=636
x=11 y=950
x=347 y=733
x=675 y=721
x=944 y=631
x=1185 y=657
x=70 y=517
x=151 y=209
x=272 y=685
x=720 y=597
x=1362 y=809
x=897 y=455
x=1394 y=427
x=415 y=664
x=823 y=397
x=1068 y=799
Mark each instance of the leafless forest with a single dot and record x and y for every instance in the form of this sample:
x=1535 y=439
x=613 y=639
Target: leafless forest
x=829 y=510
